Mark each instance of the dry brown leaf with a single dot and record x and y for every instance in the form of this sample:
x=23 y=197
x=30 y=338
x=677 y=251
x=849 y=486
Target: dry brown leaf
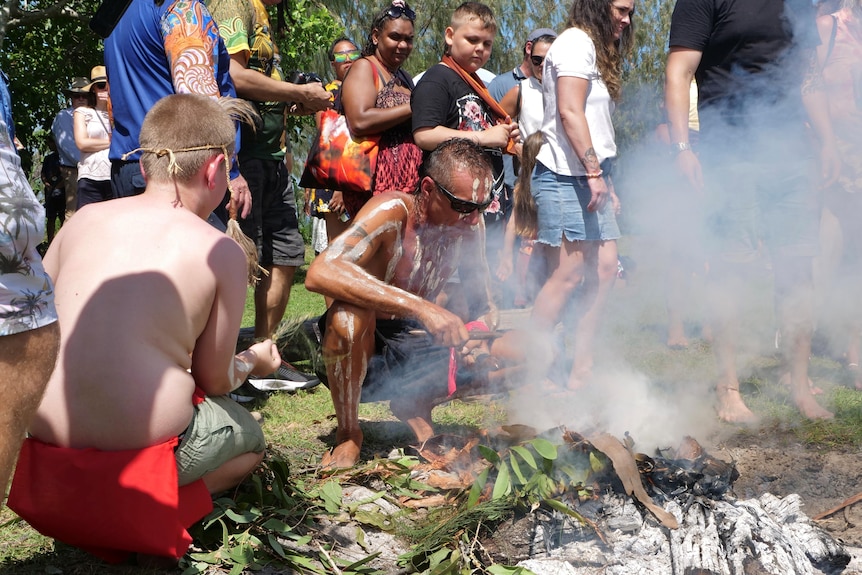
x=425 y=502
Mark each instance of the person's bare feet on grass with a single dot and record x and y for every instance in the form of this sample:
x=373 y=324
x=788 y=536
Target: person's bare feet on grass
x=785 y=380
x=809 y=407
x=676 y=336
x=731 y=408
x=344 y=455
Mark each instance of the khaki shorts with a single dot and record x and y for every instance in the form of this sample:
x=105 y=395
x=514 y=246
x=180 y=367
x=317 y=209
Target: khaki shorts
x=221 y=430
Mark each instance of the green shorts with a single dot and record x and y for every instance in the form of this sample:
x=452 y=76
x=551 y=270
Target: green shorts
x=221 y=429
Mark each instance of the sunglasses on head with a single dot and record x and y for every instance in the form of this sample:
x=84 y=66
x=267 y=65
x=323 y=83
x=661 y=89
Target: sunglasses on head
x=346 y=56
x=396 y=11
x=537 y=60
x=462 y=206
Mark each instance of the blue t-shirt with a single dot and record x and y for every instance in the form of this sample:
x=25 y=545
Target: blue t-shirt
x=138 y=56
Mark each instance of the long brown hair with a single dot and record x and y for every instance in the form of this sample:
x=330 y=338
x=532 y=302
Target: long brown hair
x=594 y=17
x=524 y=206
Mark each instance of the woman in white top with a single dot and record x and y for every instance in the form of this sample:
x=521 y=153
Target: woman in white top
x=571 y=184
x=92 y=124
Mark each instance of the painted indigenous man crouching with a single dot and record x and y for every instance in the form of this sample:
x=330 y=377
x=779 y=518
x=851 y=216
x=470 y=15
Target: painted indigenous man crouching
x=383 y=337
x=135 y=431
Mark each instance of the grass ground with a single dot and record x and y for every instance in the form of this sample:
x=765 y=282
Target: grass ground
x=300 y=426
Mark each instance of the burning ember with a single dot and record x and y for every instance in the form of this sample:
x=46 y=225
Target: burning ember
x=599 y=508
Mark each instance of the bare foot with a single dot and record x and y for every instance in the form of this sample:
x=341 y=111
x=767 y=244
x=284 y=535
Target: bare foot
x=676 y=336
x=677 y=344
x=418 y=417
x=731 y=408
x=809 y=408
x=344 y=455
x=785 y=380
x=579 y=378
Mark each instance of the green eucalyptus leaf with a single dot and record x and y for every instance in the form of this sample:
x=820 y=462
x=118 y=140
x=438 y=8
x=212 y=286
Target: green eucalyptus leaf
x=516 y=469
x=525 y=454
x=544 y=448
x=277 y=526
x=275 y=545
x=477 y=487
x=330 y=492
x=489 y=454
x=242 y=516
x=503 y=485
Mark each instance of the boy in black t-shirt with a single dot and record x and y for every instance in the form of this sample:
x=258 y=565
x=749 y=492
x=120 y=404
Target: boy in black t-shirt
x=445 y=106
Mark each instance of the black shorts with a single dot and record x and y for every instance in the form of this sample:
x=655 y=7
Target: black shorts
x=406 y=363
x=272 y=223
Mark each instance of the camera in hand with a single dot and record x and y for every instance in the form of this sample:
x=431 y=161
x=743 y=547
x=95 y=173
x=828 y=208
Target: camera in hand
x=297 y=77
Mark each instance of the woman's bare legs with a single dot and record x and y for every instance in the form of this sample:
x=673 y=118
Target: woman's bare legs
x=565 y=273
x=599 y=278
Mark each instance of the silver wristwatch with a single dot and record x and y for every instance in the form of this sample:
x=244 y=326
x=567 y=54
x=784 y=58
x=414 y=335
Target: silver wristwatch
x=680 y=147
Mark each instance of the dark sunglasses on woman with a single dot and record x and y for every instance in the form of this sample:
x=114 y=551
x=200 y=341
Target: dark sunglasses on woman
x=537 y=60
x=396 y=11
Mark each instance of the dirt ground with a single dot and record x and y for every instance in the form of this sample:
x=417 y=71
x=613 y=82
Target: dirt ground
x=773 y=461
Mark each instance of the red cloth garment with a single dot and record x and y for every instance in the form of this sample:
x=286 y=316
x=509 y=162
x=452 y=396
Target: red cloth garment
x=452 y=383
x=108 y=503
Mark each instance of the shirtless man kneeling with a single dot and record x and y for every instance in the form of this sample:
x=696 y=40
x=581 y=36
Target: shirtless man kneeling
x=135 y=431
x=383 y=273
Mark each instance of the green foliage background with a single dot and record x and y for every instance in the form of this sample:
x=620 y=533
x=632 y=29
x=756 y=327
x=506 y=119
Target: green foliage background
x=42 y=51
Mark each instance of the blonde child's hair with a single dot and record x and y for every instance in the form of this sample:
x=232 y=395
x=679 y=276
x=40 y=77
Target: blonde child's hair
x=181 y=132
x=524 y=210
x=473 y=11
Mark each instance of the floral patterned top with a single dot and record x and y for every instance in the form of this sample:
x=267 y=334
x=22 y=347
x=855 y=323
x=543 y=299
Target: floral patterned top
x=26 y=291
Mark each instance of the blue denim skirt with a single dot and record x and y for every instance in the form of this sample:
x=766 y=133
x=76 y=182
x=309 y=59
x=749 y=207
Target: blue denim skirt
x=562 y=209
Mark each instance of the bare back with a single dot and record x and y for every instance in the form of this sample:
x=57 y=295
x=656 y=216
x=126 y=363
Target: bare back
x=137 y=283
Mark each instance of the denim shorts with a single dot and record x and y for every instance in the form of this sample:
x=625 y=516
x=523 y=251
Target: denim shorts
x=561 y=203
x=221 y=430
x=272 y=224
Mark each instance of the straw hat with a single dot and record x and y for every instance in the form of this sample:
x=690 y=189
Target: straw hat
x=97 y=74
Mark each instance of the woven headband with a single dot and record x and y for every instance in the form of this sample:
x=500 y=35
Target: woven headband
x=174 y=168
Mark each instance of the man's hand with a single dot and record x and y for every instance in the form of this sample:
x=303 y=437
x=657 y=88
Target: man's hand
x=310 y=99
x=445 y=327
x=689 y=167
x=240 y=198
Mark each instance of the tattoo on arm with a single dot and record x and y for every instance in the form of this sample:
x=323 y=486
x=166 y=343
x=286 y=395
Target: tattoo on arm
x=590 y=160
x=813 y=80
